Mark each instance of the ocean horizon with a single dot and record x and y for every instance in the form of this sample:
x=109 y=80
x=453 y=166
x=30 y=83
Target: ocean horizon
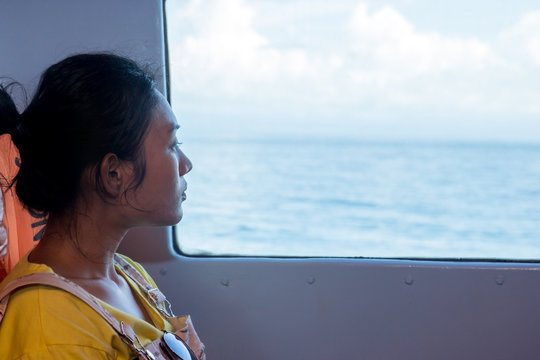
x=316 y=196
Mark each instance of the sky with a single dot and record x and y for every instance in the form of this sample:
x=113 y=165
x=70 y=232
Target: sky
x=402 y=69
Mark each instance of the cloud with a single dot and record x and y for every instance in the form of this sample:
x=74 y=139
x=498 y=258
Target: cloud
x=391 y=42
x=522 y=41
x=225 y=55
x=225 y=52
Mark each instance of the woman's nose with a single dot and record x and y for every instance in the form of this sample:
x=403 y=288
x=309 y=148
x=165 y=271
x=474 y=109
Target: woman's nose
x=185 y=164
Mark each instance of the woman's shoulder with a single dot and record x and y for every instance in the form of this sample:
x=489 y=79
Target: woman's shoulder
x=42 y=307
x=24 y=267
x=43 y=319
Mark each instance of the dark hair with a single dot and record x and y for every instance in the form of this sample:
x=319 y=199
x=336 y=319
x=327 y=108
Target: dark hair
x=85 y=107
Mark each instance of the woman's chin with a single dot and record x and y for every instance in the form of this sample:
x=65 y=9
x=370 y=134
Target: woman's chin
x=171 y=221
x=163 y=220
x=175 y=219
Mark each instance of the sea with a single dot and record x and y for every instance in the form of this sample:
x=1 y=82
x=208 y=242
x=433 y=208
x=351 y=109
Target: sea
x=353 y=198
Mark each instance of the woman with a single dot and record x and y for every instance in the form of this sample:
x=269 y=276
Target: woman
x=99 y=153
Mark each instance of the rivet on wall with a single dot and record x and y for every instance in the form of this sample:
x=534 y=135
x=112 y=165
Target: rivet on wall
x=409 y=279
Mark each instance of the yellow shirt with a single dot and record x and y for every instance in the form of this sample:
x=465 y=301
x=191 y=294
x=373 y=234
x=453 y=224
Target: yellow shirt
x=47 y=323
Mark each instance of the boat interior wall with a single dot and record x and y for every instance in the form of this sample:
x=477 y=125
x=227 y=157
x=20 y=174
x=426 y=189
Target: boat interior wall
x=36 y=34
x=289 y=308
x=357 y=309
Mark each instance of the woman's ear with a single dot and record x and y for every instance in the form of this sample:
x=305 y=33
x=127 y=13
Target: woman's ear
x=112 y=174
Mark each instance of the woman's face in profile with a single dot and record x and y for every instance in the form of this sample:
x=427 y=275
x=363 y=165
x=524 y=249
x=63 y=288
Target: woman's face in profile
x=162 y=190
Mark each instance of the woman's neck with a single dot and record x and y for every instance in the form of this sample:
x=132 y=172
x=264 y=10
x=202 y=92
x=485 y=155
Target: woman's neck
x=80 y=247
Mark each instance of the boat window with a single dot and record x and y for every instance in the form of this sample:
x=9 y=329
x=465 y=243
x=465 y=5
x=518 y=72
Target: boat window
x=398 y=128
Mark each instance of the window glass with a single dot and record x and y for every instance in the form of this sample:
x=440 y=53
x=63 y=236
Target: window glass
x=399 y=128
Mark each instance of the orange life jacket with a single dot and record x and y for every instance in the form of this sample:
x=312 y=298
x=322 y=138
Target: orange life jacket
x=20 y=228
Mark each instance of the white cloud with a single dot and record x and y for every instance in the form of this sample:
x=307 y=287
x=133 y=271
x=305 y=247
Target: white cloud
x=226 y=55
x=391 y=42
x=522 y=41
x=221 y=51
